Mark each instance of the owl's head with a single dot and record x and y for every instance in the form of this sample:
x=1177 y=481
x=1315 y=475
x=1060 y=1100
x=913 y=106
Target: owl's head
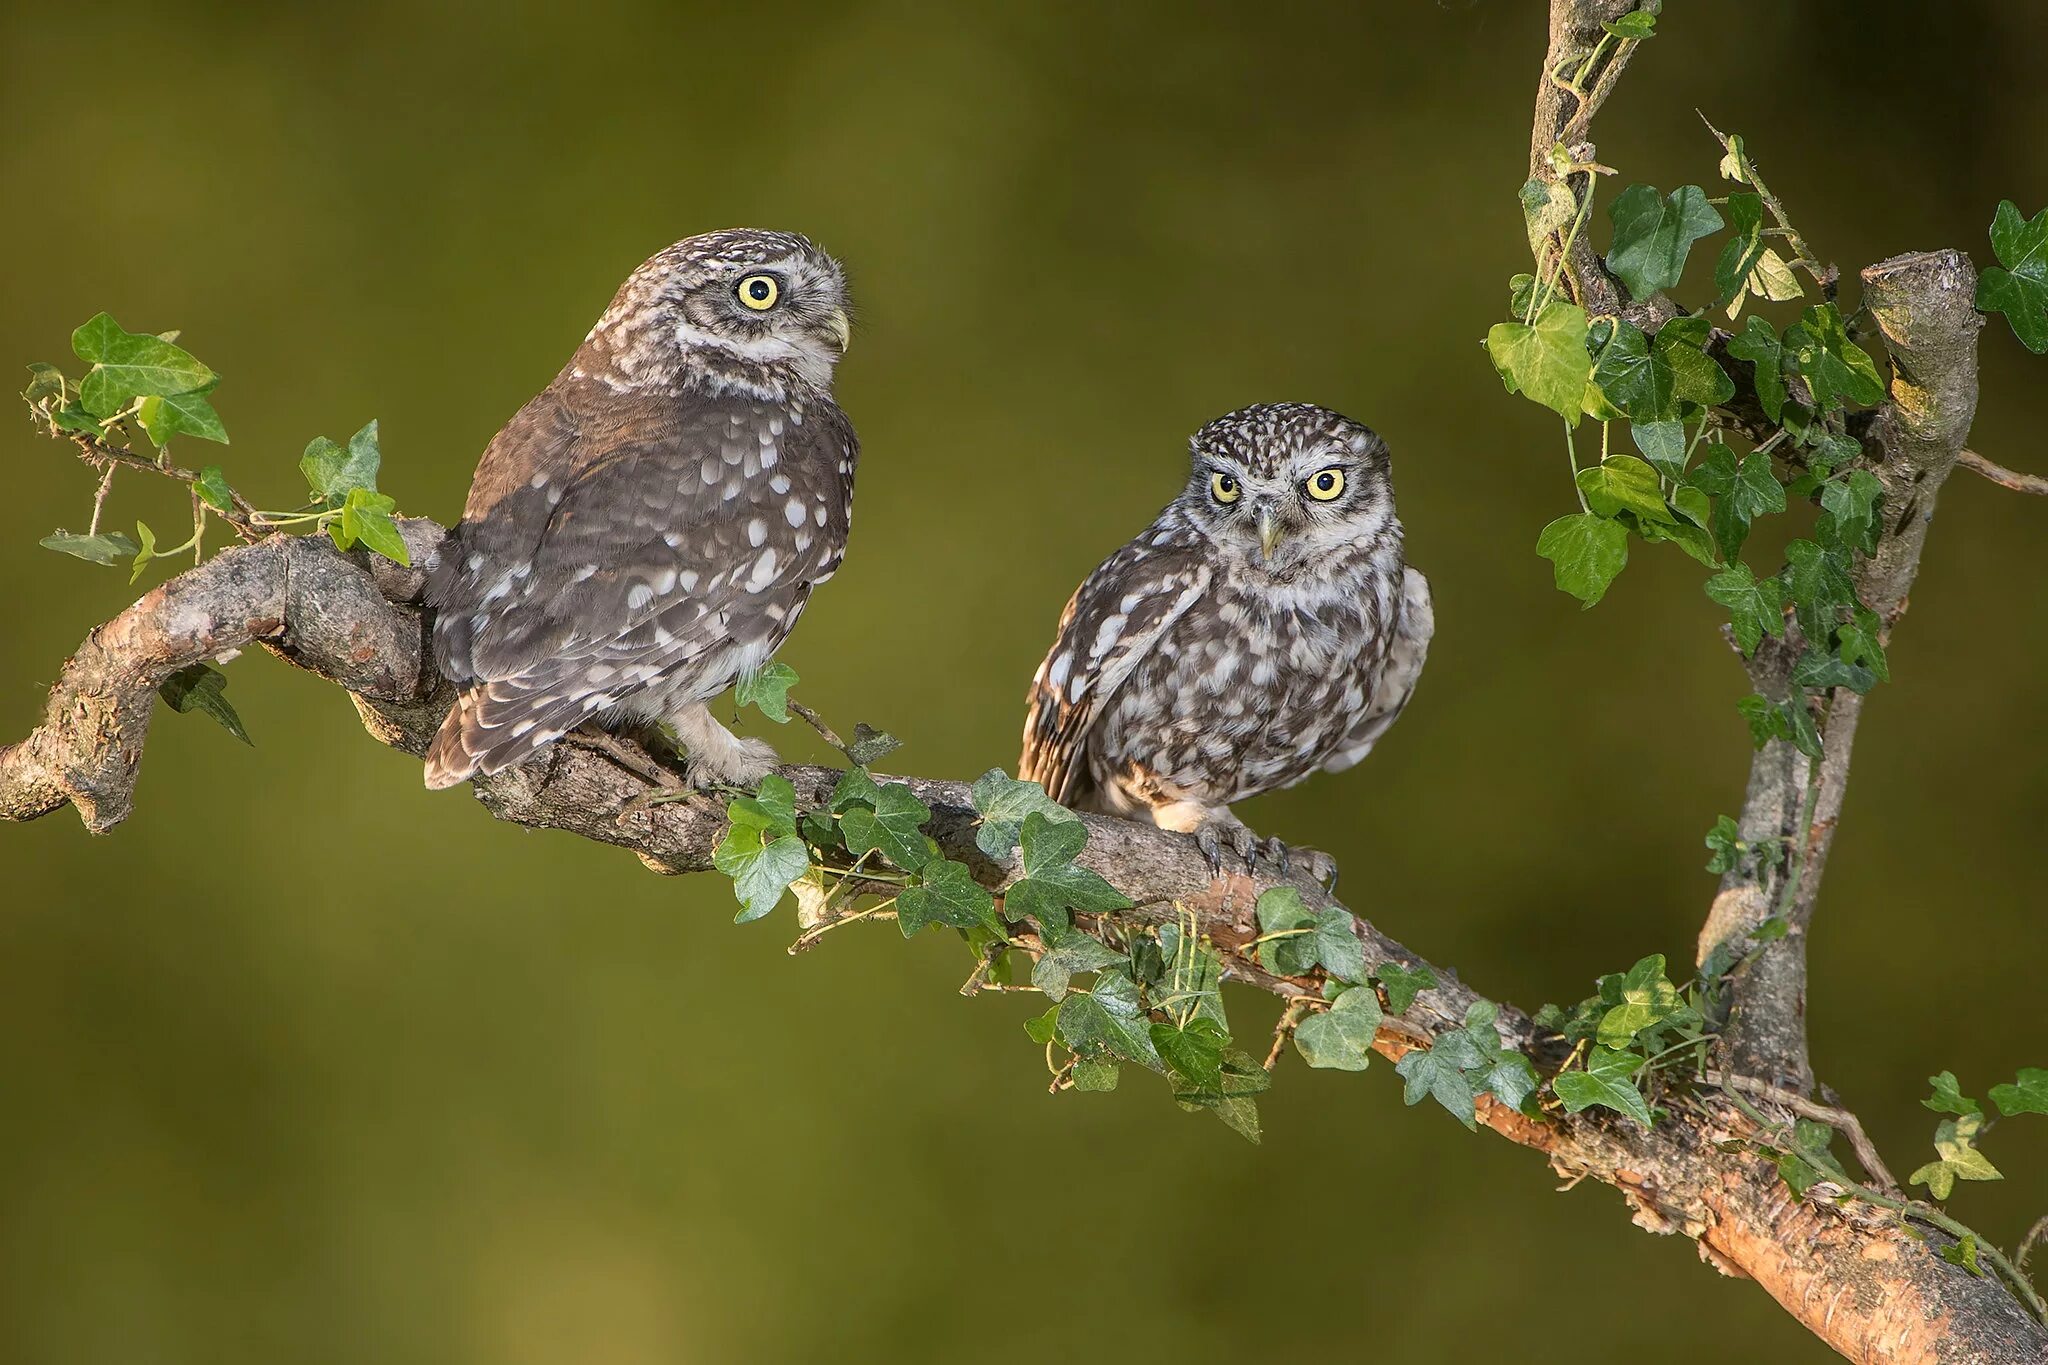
x=731 y=302
x=1280 y=485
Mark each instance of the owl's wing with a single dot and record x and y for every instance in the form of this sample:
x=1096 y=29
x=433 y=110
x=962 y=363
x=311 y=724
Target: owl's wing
x=1114 y=619
x=1413 y=627
x=661 y=536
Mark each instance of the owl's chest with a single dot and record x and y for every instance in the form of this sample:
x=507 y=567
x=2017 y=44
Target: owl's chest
x=1250 y=691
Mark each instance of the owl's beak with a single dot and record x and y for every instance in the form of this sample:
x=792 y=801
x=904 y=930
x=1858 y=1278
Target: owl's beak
x=1270 y=532
x=842 y=330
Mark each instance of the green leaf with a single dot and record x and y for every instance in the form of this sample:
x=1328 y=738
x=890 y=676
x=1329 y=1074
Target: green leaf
x=1044 y=1028
x=771 y=808
x=1337 y=945
x=212 y=488
x=760 y=871
x=892 y=828
x=1403 y=985
x=1817 y=580
x=1510 y=1078
x=1744 y=249
x=1725 y=845
x=181 y=414
x=1798 y=1174
x=1438 y=1072
x=1637 y=24
x=1004 y=802
x=46 y=381
x=1662 y=443
x=1820 y=670
x=129 y=365
x=1836 y=369
x=1340 y=1038
x=1606 y=1083
x=1095 y=1074
x=1653 y=234
x=1586 y=552
x=946 y=893
x=1624 y=482
x=1546 y=361
x=1696 y=376
x=2018 y=285
x=1756 y=607
x=1049 y=847
x=1646 y=1000
x=144 y=552
x=1066 y=952
x=1849 y=511
x=1194 y=1054
x=1754 y=493
x=1964 y=1254
x=1547 y=208
x=767 y=690
x=869 y=745
x=1108 y=1018
x=1759 y=345
x=105 y=548
x=366 y=520
x=1948 y=1097
x=1767 y=720
x=856 y=786
x=203 y=688
x=1955 y=1142
x=2027 y=1095
x=1281 y=913
x=1632 y=377
x=332 y=470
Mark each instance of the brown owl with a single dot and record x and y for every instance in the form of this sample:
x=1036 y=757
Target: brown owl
x=647 y=530
x=1265 y=627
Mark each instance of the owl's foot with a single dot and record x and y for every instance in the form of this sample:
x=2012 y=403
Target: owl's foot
x=1224 y=830
x=1284 y=856
x=717 y=756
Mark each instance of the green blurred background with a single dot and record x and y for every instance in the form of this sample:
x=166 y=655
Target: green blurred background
x=305 y=1063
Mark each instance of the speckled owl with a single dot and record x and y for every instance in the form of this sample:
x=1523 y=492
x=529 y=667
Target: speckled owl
x=647 y=530
x=1264 y=628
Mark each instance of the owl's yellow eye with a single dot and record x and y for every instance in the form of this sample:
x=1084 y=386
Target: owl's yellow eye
x=1326 y=484
x=760 y=292
x=1224 y=488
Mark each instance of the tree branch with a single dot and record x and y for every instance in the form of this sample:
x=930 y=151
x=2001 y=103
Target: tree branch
x=2003 y=477
x=1850 y=1273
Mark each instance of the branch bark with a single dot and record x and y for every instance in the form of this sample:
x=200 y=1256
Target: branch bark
x=1849 y=1273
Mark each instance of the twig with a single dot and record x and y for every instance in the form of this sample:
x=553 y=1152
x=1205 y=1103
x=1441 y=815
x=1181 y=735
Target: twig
x=1289 y=1017
x=1850 y=1126
x=2034 y=1234
x=2000 y=475
x=99 y=500
x=99 y=454
x=817 y=722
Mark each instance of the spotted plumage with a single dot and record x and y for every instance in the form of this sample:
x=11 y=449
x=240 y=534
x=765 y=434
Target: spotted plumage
x=649 y=527
x=1265 y=627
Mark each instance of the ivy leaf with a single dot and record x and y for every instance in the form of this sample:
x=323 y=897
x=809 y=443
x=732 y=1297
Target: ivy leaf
x=46 y=381
x=1849 y=511
x=891 y=827
x=1337 y=944
x=1052 y=883
x=1836 y=368
x=760 y=870
x=1696 y=377
x=1755 y=492
x=1653 y=234
x=1189 y=976
x=1624 y=482
x=1586 y=552
x=1043 y=1028
x=1637 y=24
x=767 y=690
x=1758 y=344
x=1547 y=207
x=1756 y=607
x=1194 y=1053
x=144 y=552
x=1067 y=952
x=129 y=365
x=1546 y=361
x=946 y=893
x=1948 y=1097
x=181 y=414
x=1799 y=1174
x=1635 y=379
x=1605 y=1082
x=212 y=488
x=1438 y=1072
x=1766 y=720
x=1340 y=1038
x=1714 y=475
x=1744 y=249
x=203 y=688
x=1819 y=585
x=1004 y=802
x=1662 y=443
x=856 y=786
x=1724 y=845
x=2028 y=1094
x=1955 y=1142
x=871 y=746
x=1402 y=985
x=104 y=548
x=366 y=520
x=1095 y=1074
x=2018 y=285
x=1293 y=949
x=1820 y=670
x=332 y=471
x=1108 y=1018
x=1964 y=1254
x=1646 y=999
x=1510 y=1078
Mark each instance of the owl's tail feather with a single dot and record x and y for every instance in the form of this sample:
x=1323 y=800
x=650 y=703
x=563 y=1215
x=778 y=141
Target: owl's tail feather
x=495 y=726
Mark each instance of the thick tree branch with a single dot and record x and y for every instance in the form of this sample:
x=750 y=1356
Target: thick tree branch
x=1924 y=304
x=1847 y=1271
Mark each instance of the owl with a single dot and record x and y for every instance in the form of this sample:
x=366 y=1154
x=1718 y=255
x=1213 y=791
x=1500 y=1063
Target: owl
x=647 y=530
x=1265 y=627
